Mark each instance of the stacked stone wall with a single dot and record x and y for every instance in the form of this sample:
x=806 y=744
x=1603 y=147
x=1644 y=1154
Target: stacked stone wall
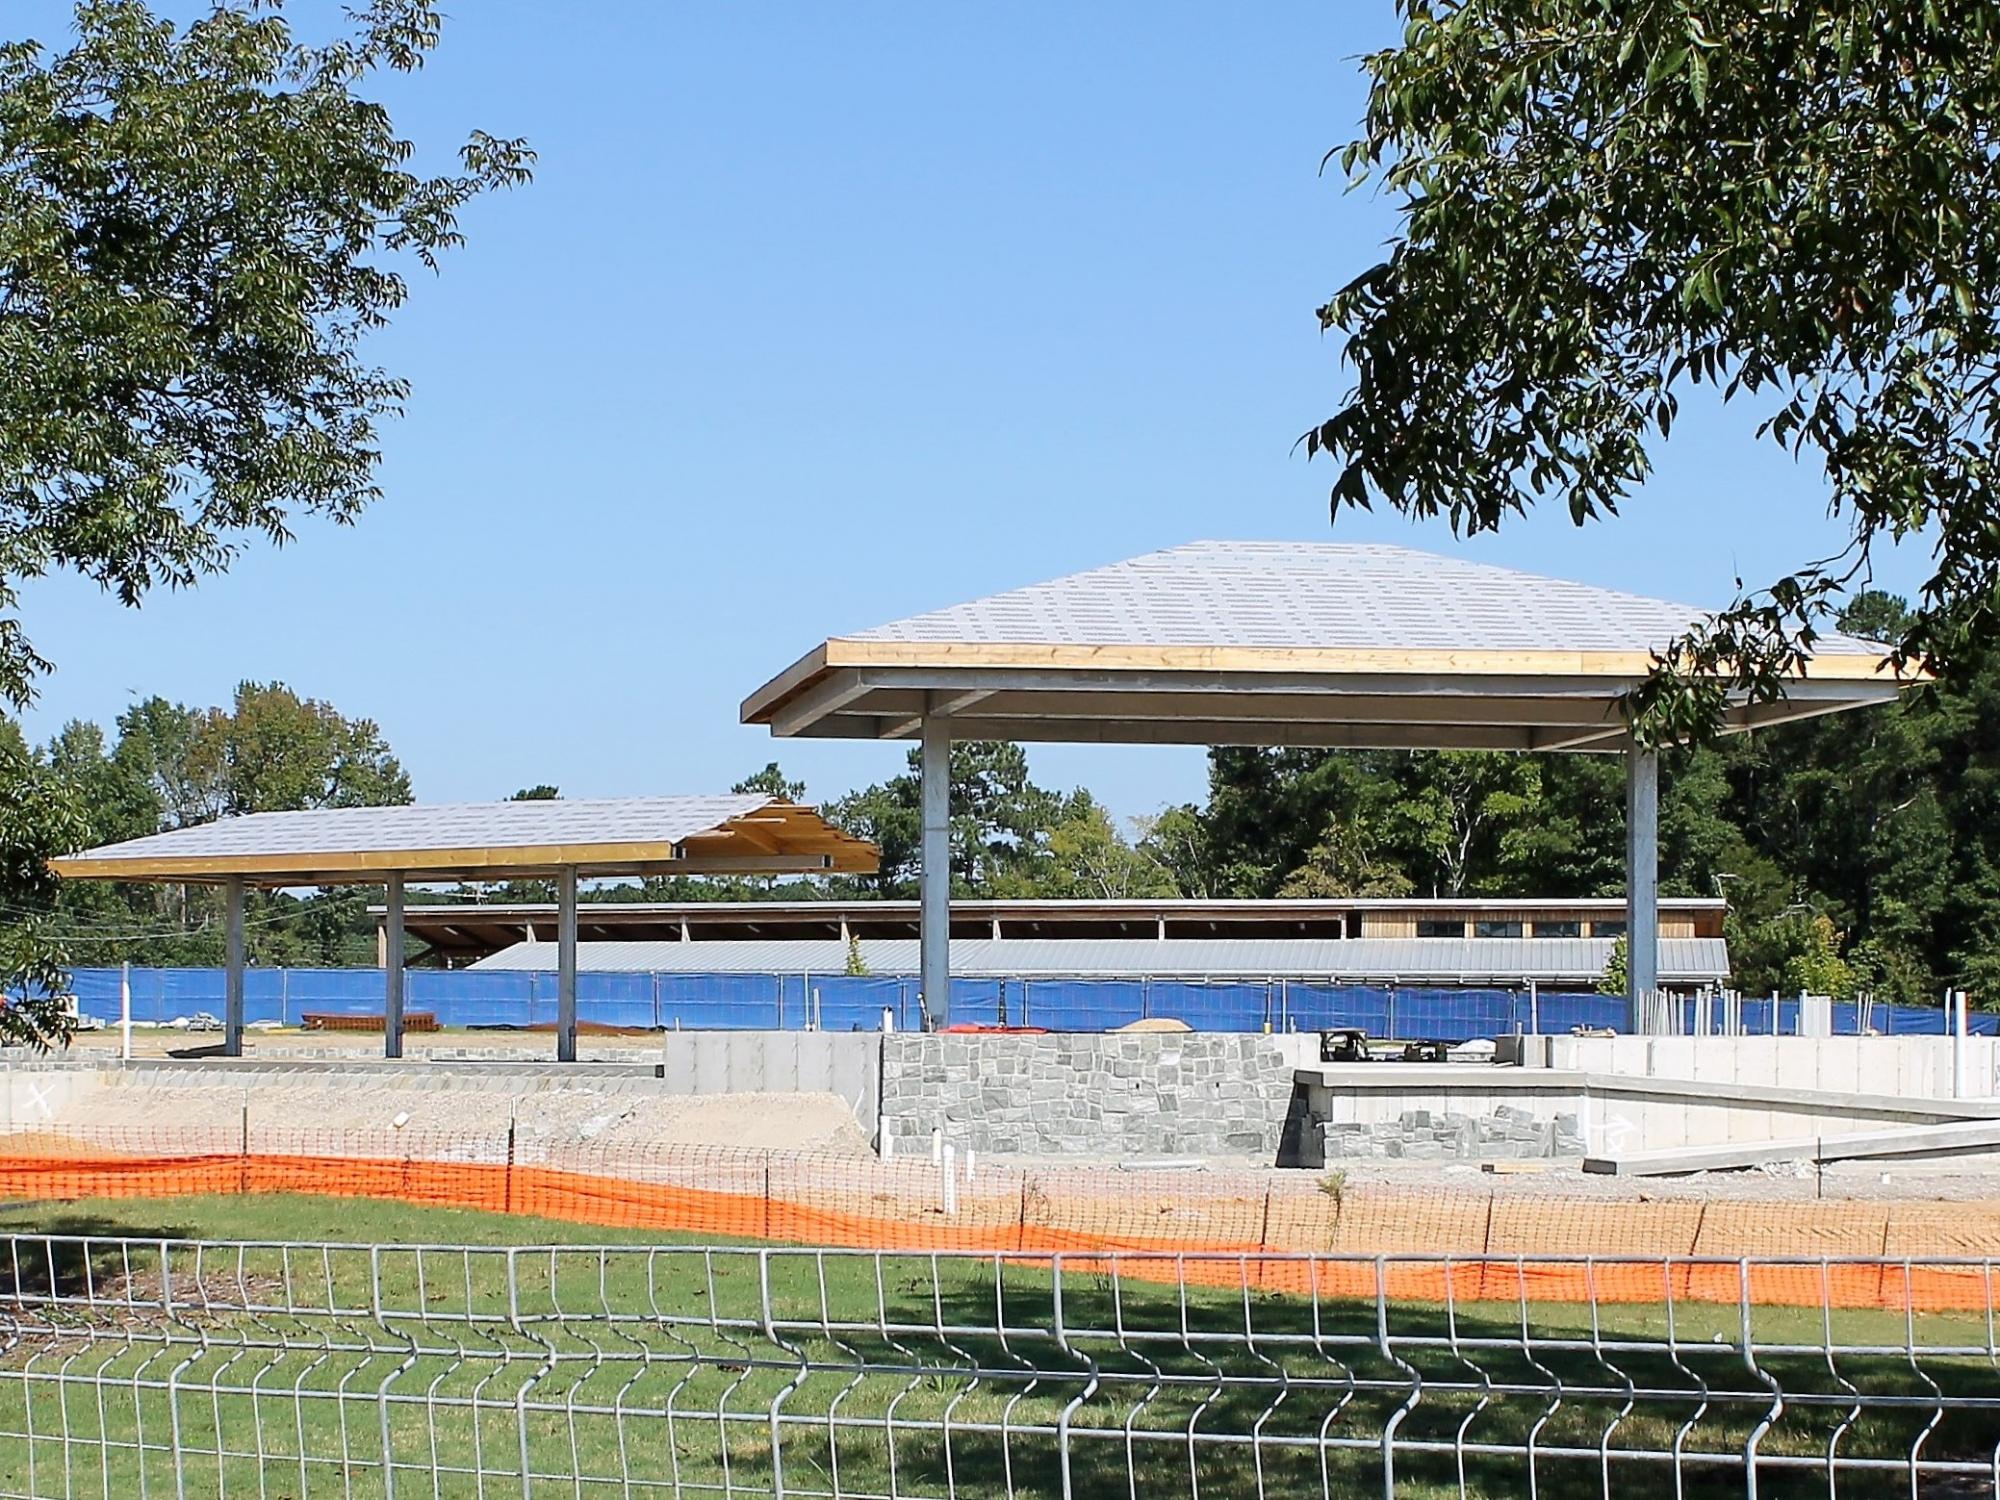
x=1137 y=1095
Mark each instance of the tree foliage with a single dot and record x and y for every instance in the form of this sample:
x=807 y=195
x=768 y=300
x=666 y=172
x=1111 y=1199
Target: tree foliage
x=172 y=765
x=199 y=226
x=1604 y=205
x=1009 y=836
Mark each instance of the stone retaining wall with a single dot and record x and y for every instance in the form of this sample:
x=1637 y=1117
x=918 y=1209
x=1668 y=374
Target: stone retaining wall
x=1509 y=1133
x=1120 y=1095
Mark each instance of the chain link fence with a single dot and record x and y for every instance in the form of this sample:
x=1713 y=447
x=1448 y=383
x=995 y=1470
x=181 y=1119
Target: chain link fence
x=163 y=1368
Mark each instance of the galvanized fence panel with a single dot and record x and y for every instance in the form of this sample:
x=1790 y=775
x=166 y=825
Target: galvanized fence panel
x=156 y=1367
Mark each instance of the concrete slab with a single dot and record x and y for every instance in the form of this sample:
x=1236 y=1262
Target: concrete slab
x=1956 y=1138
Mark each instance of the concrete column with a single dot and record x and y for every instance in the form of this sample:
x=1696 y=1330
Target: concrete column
x=232 y=966
x=392 y=969
x=935 y=886
x=1642 y=872
x=566 y=964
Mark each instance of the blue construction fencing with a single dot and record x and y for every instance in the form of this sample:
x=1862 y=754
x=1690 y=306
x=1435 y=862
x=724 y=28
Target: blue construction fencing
x=508 y=998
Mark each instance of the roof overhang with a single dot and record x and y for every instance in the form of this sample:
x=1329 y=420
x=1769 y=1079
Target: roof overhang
x=773 y=838
x=1336 y=698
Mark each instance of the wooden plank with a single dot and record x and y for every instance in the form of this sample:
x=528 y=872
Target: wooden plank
x=864 y=653
x=781 y=687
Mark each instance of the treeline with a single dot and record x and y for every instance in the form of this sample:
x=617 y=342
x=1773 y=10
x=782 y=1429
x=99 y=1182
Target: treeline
x=1862 y=849
x=168 y=765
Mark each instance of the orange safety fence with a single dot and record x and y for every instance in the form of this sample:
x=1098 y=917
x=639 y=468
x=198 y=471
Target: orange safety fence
x=1243 y=1227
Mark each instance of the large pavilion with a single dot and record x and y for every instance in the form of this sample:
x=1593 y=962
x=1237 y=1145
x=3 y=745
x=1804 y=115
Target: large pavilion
x=1270 y=643
x=563 y=841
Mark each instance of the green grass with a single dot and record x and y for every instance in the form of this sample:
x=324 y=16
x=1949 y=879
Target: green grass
x=235 y=1216
x=563 y=1356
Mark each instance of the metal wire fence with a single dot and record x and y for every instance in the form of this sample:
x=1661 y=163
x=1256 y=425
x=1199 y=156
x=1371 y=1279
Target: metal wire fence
x=147 y=1367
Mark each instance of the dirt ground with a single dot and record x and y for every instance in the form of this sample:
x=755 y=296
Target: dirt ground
x=819 y=1123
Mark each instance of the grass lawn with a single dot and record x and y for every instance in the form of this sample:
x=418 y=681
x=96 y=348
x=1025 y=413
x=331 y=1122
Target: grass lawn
x=632 y=1364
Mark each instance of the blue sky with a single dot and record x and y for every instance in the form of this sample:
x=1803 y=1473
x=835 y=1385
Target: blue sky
x=819 y=316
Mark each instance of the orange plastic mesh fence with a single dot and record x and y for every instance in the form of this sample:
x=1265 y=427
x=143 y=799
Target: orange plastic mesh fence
x=863 y=1203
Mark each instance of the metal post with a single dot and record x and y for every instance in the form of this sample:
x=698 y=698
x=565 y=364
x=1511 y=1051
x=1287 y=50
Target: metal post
x=1642 y=874
x=566 y=964
x=125 y=1012
x=1534 y=1009
x=935 y=889
x=392 y=968
x=232 y=967
x=1959 y=1025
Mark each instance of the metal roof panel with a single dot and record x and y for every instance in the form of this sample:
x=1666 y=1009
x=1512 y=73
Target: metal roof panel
x=1407 y=960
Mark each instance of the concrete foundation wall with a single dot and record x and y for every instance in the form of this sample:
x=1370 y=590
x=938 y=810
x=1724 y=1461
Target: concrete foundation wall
x=1915 y=1066
x=847 y=1063
x=1367 y=1110
x=693 y=1062
x=1144 y=1095
x=33 y=1092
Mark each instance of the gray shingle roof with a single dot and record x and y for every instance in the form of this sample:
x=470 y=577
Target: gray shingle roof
x=1410 y=960
x=461 y=825
x=1313 y=595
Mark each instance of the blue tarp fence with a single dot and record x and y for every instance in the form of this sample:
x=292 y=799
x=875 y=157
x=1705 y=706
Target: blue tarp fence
x=843 y=1002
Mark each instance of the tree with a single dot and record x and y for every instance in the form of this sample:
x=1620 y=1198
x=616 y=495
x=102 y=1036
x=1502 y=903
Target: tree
x=541 y=791
x=1344 y=863
x=1817 y=967
x=1090 y=860
x=772 y=782
x=1000 y=820
x=1604 y=206
x=1617 y=976
x=173 y=765
x=198 y=227
x=1177 y=840
x=1268 y=810
x=41 y=816
x=275 y=751
x=1456 y=810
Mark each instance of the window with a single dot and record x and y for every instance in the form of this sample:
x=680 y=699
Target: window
x=1430 y=927
x=1559 y=929
x=1607 y=929
x=1499 y=929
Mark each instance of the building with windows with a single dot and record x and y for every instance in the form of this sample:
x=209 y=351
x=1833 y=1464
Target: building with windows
x=1432 y=940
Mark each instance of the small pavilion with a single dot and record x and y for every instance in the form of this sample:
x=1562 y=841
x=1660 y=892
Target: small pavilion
x=1278 y=643
x=563 y=841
